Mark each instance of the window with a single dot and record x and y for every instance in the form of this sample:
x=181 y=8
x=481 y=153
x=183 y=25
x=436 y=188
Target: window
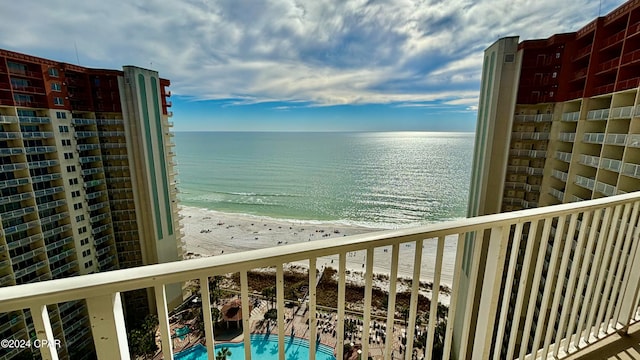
x=73 y=181
x=63 y=128
x=84 y=241
x=86 y=253
x=75 y=194
x=82 y=230
x=58 y=101
x=554 y=75
x=71 y=168
x=53 y=72
x=66 y=142
x=79 y=218
x=77 y=206
x=56 y=87
x=61 y=115
x=88 y=264
x=68 y=156
x=509 y=58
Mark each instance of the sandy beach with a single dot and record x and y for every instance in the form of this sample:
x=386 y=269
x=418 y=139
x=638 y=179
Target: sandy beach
x=211 y=233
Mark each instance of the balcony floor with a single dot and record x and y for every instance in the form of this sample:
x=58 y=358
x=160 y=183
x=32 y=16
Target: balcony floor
x=618 y=347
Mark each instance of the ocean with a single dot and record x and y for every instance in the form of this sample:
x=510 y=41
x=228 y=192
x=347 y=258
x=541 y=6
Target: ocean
x=373 y=179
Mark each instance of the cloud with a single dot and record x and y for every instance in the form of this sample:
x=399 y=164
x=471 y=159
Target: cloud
x=319 y=52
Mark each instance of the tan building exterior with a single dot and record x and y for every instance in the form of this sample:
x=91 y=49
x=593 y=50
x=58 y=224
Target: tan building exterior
x=564 y=128
x=87 y=184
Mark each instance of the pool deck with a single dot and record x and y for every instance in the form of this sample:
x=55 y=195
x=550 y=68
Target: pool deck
x=296 y=320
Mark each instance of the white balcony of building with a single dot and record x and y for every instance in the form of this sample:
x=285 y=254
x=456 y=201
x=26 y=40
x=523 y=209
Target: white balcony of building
x=633 y=140
x=624 y=112
x=563 y=156
x=593 y=138
x=599 y=114
x=571 y=316
x=571 y=116
x=567 y=137
x=589 y=160
x=616 y=139
x=560 y=175
x=585 y=182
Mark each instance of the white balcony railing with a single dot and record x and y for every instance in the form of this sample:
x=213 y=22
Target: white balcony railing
x=599 y=297
x=624 y=112
x=571 y=116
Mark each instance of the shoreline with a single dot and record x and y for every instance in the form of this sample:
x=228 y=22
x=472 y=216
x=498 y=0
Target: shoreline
x=210 y=233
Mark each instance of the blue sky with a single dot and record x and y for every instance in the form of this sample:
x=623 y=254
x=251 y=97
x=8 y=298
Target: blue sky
x=296 y=65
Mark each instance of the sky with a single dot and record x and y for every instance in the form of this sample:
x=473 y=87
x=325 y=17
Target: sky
x=296 y=65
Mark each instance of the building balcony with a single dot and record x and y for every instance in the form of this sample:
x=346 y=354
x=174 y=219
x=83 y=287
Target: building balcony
x=534 y=118
x=632 y=170
x=625 y=112
x=609 y=283
x=589 y=160
x=585 y=182
x=567 y=137
x=616 y=139
x=599 y=114
x=571 y=116
x=4 y=119
x=593 y=138
x=557 y=194
x=563 y=156
x=611 y=164
x=530 y=135
x=34 y=120
x=604 y=188
x=560 y=175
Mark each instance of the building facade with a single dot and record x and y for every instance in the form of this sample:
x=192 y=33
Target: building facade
x=87 y=184
x=562 y=126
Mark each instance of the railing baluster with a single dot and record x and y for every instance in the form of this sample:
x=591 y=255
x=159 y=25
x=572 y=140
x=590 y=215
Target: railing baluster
x=391 y=303
x=368 y=287
x=44 y=332
x=590 y=296
x=586 y=263
x=205 y=293
x=511 y=269
x=107 y=323
x=571 y=286
x=473 y=279
x=163 y=321
x=490 y=294
x=612 y=309
x=526 y=263
x=435 y=291
x=615 y=236
x=313 y=322
x=451 y=316
x=413 y=304
x=341 y=303
x=551 y=272
x=246 y=313
x=568 y=244
x=280 y=301
x=535 y=285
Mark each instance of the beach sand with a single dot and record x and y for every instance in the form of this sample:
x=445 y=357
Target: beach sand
x=211 y=233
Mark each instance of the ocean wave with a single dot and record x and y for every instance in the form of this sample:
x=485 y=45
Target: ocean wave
x=253 y=194
x=373 y=225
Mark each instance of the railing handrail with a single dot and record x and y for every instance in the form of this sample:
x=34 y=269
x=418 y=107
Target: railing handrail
x=74 y=288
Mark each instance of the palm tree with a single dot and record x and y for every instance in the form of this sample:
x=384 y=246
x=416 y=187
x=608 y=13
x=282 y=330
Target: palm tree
x=270 y=293
x=223 y=353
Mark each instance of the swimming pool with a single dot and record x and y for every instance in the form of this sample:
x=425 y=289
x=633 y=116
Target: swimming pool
x=263 y=347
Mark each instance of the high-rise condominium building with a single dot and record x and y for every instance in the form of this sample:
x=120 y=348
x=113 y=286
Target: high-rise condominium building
x=558 y=122
x=87 y=184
